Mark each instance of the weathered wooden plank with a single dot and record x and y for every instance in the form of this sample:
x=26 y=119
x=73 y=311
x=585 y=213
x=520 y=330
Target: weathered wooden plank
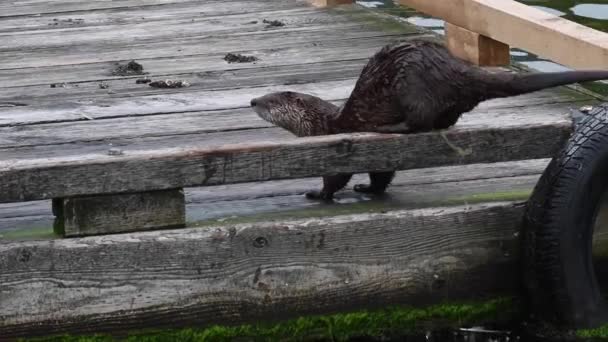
x=207 y=66
x=476 y=48
x=168 y=29
x=136 y=171
x=233 y=120
x=163 y=101
x=139 y=14
x=411 y=189
x=94 y=215
x=205 y=139
x=203 y=44
x=491 y=17
x=15 y=8
x=270 y=75
x=232 y=274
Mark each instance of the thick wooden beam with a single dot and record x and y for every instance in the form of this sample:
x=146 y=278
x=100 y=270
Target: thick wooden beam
x=139 y=171
x=524 y=27
x=476 y=48
x=103 y=214
x=249 y=272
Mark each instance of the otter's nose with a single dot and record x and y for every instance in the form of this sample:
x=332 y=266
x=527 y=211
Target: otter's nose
x=253 y=103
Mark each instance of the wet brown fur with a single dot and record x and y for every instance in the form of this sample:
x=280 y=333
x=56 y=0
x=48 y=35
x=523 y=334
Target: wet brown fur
x=410 y=87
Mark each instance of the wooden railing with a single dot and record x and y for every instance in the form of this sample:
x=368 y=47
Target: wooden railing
x=479 y=31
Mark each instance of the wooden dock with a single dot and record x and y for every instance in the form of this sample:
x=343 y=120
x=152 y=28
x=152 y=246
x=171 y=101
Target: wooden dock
x=70 y=128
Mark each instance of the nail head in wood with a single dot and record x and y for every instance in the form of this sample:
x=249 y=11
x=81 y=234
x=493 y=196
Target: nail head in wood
x=476 y=48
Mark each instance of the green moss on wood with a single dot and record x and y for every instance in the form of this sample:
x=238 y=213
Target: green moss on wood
x=30 y=233
x=499 y=196
x=336 y=327
x=601 y=332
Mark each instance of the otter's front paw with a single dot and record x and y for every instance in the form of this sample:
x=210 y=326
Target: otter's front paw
x=320 y=195
x=368 y=189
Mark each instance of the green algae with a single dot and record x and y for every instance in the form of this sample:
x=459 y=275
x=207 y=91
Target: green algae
x=392 y=321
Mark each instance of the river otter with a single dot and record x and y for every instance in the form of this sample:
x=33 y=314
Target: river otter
x=407 y=87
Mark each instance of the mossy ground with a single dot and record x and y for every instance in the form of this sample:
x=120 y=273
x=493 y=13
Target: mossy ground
x=337 y=327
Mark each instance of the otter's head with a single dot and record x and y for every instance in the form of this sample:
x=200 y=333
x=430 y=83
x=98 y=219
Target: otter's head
x=301 y=114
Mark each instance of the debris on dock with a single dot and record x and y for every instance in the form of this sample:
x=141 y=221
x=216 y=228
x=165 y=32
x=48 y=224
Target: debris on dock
x=131 y=68
x=169 y=84
x=273 y=23
x=238 y=58
x=144 y=80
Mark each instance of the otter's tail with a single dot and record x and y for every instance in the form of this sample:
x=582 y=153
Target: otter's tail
x=517 y=84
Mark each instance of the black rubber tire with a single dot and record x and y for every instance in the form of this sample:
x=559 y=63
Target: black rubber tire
x=559 y=276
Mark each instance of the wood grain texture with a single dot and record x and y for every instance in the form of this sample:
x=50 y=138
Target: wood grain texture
x=139 y=14
x=247 y=36
x=233 y=274
x=104 y=214
x=23 y=8
x=206 y=66
x=155 y=31
x=137 y=171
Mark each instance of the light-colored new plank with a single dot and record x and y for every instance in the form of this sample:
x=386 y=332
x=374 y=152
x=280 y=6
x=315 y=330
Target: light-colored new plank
x=476 y=48
x=224 y=274
x=522 y=26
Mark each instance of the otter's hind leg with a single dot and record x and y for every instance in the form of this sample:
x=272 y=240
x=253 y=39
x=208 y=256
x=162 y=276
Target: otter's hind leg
x=379 y=183
x=331 y=184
